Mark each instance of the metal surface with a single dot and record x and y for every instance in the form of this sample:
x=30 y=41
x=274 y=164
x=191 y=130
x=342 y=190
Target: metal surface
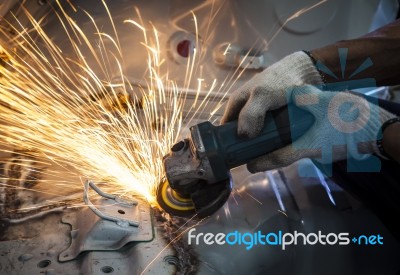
x=122 y=223
x=282 y=200
x=49 y=239
x=34 y=247
x=113 y=202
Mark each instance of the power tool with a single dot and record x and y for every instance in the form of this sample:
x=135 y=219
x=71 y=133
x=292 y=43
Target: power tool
x=197 y=168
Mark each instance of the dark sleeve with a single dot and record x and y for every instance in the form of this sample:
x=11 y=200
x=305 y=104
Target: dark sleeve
x=379 y=191
x=398 y=12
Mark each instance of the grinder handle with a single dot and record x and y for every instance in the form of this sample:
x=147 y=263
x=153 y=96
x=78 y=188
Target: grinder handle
x=226 y=150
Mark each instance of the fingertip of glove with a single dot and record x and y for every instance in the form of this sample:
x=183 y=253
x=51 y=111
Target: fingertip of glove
x=224 y=120
x=227 y=117
x=252 y=168
x=255 y=166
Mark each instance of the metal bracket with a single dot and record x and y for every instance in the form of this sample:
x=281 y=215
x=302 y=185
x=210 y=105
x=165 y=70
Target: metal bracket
x=108 y=223
x=118 y=200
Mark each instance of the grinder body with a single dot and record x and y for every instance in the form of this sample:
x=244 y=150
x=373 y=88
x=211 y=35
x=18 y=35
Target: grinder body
x=197 y=168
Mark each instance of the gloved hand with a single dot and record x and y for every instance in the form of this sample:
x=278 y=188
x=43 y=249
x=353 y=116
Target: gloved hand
x=346 y=125
x=267 y=91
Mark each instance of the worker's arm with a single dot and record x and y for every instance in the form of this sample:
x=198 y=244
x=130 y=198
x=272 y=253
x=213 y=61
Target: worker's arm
x=346 y=125
x=391 y=141
x=274 y=87
x=270 y=89
x=382 y=46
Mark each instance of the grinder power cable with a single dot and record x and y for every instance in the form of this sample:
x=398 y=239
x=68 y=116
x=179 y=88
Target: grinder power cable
x=197 y=168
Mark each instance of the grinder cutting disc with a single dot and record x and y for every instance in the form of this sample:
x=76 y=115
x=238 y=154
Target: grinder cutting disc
x=203 y=202
x=172 y=202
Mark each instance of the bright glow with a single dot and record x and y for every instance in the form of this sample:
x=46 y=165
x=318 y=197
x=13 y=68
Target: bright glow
x=81 y=110
x=64 y=110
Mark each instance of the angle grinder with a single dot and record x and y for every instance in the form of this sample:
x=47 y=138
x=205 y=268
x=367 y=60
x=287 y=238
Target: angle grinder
x=197 y=168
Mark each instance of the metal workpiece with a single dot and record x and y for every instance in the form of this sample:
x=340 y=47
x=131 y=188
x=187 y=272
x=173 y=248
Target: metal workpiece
x=119 y=202
x=34 y=248
x=107 y=226
x=133 y=259
x=282 y=200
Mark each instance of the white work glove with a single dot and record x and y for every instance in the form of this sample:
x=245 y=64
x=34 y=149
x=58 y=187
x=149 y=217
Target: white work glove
x=268 y=91
x=346 y=125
